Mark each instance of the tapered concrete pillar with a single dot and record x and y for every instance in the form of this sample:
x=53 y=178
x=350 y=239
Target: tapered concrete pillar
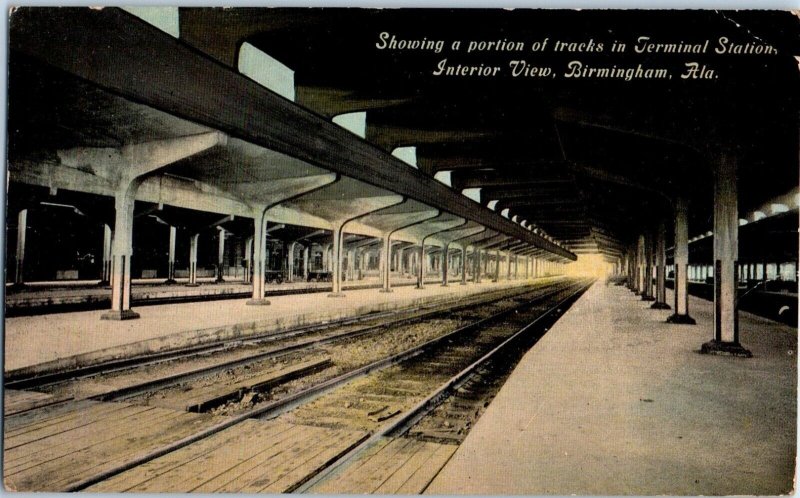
x=351 y=264
x=445 y=264
x=661 y=269
x=516 y=266
x=647 y=268
x=681 y=257
x=133 y=163
x=421 y=267
x=463 y=262
x=121 y=251
x=220 y=255
x=259 y=260
x=248 y=260
x=306 y=253
x=477 y=257
x=336 y=261
x=105 y=278
x=639 y=261
x=173 y=233
x=651 y=260
x=726 y=247
x=290 y=261
x=632 y=268
x=496 y=266
x=324 y=257
x=401 y=262
x=386 y=271
x=194 y=240
x=19 y=264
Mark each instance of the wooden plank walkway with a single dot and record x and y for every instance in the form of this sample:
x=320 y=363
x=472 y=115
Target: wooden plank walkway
x=62 y=447
x=19 y=401
x=393 y=466
x=252 y=457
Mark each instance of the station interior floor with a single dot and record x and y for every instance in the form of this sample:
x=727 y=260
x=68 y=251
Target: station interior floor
x=611 y=401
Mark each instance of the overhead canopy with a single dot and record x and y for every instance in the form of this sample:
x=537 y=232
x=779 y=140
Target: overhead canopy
x=143 y=85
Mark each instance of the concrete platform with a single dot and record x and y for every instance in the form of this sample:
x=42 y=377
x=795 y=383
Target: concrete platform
x=56 y=341
x=58 y=296
x=613 y=401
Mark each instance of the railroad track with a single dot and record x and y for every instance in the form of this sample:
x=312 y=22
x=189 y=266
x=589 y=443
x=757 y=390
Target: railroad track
x=403 y=456
x=325 y=442
x=241 y=376
x=190 y=362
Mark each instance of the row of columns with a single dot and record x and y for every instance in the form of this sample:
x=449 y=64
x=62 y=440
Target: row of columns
x=726 y=225
x=116 y=263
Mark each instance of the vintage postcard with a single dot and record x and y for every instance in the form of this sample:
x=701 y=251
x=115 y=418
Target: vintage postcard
x=401 y=251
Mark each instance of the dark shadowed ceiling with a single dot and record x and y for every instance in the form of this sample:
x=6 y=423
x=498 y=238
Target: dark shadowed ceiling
x=590 y=161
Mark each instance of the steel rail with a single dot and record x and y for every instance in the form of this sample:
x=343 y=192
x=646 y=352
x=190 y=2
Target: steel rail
x=421 y=409
x=112 y=366
x=278 y=407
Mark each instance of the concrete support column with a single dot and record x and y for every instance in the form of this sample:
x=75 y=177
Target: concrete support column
x=336 y=261
x=121 y=250
x=259 y=260
x=248 y=260
x=386 y=271
x=351 y=264
x=22 y=231
x=516 y=266
x=326 y=265
x=527 y=267
x=193 y=241
x=381 y=263
x=647 y=268
x=134 y=163
x=173 y=234
x=421 y=267
x=290 y=261
x=463 y=265
x=640 y=266
x=220 y=254
x=661 y=269
x=681 y=314
x=726 y=246
x=496 y=266
x=107 y=238
x=445 y=263
x=477 y=256
x=306 y=254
